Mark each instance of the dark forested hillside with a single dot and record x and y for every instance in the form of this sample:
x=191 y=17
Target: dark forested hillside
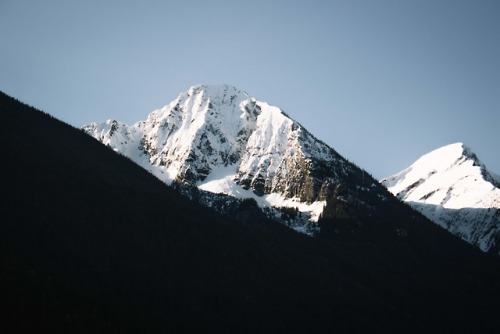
x=90 y=242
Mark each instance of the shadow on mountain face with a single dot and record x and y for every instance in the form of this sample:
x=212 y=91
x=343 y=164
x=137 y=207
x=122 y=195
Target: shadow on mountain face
x=460 y=222
x=90 y=242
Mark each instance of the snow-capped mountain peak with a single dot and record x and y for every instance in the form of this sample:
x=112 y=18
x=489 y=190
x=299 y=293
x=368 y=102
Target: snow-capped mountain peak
x=452 y=187
x=211 y=123
x=222 y=140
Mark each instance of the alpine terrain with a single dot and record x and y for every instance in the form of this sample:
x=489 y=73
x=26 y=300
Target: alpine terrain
x=454 y=189
x=223 y=141
x=92 y=243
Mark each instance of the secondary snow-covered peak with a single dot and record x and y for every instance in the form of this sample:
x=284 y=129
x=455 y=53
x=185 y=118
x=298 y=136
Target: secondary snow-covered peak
x=439 y=159
x=447 y=156
x=453 y=188
x=456 y=161
x=438 y=171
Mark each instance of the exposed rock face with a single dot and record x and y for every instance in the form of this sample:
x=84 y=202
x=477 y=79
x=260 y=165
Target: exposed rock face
x=287 y=159
x=454 y=189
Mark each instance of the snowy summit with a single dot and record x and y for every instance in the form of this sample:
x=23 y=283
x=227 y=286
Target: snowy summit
x=453 y=188
x=222 y=140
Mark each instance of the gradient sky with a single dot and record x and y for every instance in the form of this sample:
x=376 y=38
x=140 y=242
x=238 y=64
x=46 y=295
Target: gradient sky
x=382 y=82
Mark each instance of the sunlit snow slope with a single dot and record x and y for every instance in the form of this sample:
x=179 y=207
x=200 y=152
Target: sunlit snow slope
x=220 y=139
x=454 y=189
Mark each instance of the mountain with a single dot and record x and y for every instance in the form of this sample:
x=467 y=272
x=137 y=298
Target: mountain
x=453 y=188
x=221 y=140
x=91 y=242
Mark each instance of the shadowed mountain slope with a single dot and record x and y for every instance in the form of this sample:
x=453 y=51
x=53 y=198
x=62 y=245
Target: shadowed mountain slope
x=90 y=242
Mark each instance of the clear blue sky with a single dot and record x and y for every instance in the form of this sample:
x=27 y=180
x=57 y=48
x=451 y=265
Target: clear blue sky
x=382 y=82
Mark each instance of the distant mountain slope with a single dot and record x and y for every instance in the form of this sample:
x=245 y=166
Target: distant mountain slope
x=90 y=242
x=453 y=188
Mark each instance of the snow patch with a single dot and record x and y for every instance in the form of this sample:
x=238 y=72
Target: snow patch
x=222 y=180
